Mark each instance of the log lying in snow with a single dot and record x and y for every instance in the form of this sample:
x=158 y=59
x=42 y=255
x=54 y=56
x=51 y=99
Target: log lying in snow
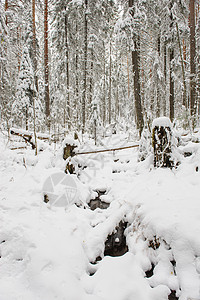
x=28 y=136
x=107 y=150
x=18 y=148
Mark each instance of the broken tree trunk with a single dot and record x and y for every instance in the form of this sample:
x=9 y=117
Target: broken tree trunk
x=28 y=136
x=68 y=153
x=161 y=141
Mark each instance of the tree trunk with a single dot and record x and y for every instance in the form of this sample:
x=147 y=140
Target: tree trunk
x=76 y=81
x=192 y=59
x=171 y=84
x=110 y=85
x=117 y=102
x=165 y=76
x=26 y=113
x=46 y=65
x=91 y=75
x=183 y=69
x=6 y=21
x=76 y=89
x=34 y=125
x=6 y=8
x=128 y=77
x=34 y=45
x=184 y=53
x=19 y=47
x=85 y=67
x=171 y=79
x=67 y=72
x=198 y=85
x=104 y=89
x=158 y=90
x=136 y=78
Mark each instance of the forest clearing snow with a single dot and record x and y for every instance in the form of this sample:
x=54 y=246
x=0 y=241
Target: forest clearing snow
x=49 y=252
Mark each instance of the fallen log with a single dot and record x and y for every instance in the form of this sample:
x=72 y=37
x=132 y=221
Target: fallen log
x=28 y=136
x=25 y=135
x=18 y=148
x=107 y=150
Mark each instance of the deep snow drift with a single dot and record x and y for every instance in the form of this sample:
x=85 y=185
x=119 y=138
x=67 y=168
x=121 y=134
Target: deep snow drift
x=49 y=252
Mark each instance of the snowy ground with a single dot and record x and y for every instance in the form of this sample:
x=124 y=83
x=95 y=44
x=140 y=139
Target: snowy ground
x=49 y=252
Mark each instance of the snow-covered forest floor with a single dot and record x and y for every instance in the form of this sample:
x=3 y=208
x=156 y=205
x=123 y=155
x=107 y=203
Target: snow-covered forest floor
x=53 y=252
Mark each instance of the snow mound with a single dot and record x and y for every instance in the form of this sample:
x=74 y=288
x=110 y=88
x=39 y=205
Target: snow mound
x=162 y=121
x=57 y=252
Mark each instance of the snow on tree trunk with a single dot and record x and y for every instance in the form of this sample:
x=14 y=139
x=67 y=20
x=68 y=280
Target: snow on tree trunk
x=85 y=67
x=46 y=64
x=136 y=76
x=68 y=153
x=25 y=89
x=161 y=141
x=171 y=58
x=192 y=58
x=34 y=45
x=67 y=71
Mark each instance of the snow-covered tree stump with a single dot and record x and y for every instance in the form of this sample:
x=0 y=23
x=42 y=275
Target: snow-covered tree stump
x=161 y=141
x=68 y=153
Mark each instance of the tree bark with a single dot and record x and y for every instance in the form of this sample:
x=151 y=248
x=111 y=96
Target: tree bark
x=76 y=80
x=171 y=78
x=19 y=47
x=34 y=125
x=183 y=68
x=67 y=71
x=165 y=75
x=110 y=85
x=91 y=75
x=26 y=115
x=128 y=77
x=34 y=46
x=158 y=90
x=6 y=8
x=192 y=58
x=85 y=67
x=46 y=65
x=104 y=88
x=184 y=53
x=136 y=78
x=171 y=84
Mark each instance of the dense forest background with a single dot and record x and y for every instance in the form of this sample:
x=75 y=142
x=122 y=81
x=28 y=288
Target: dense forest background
x=91 y=65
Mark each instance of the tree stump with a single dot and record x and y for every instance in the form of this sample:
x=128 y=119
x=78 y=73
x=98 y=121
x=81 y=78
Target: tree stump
x=161 y=141
x=68 y=153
